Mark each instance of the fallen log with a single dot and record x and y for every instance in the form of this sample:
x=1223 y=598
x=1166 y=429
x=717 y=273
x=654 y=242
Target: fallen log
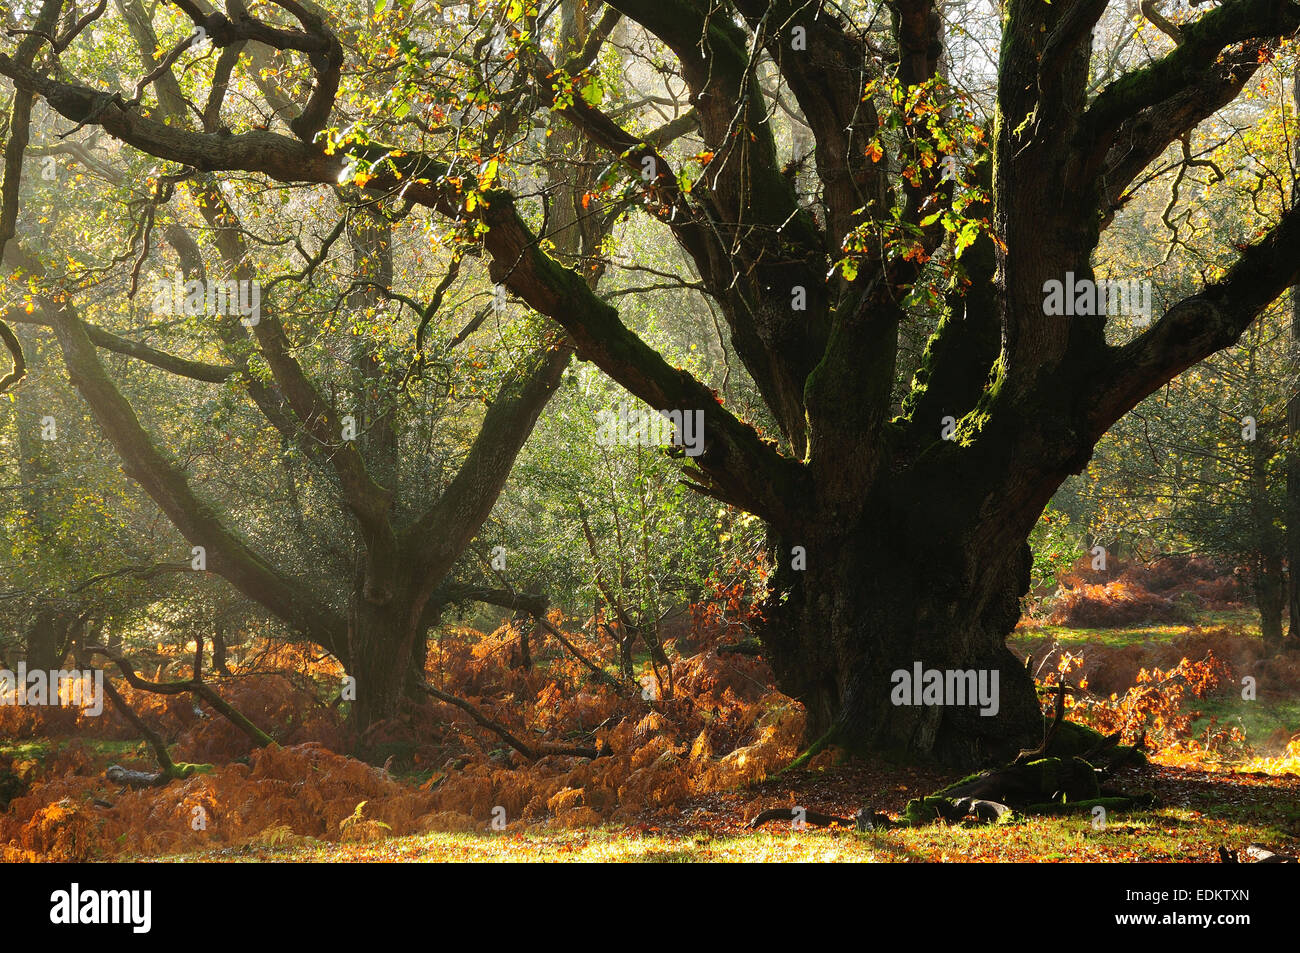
x=816 y=818
x=130 y=778
x=1063 y=775
x=136 y=779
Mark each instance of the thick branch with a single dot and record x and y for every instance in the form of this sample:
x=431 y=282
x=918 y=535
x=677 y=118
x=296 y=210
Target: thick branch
x=1143 y=138
x=1200 y=325
x=180 y=366
x=749 y=472
x=16 y=351
x=150 y=736
x=1237 y=21
x=531 y=602
x=195 y=686
x=20 y=118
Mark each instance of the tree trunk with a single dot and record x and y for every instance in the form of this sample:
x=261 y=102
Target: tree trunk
x=47 y=639
x=382 y=655
x=219 y=661
x=525 y=654
x=1293 y=482
x=882 y=600
x=1270 y=597
x=1293 y=425
x=1269 y=583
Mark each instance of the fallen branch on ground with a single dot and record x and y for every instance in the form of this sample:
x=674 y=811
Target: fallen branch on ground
x=194 y=685
x=530 y=751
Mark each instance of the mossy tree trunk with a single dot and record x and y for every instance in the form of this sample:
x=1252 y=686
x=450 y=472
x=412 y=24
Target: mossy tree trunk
x=886 y=603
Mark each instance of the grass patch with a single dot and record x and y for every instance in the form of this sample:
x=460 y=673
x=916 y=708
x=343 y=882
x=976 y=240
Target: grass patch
x=1260 y=720
x=1165 y=835
x=42 y=749
x=1246 y=621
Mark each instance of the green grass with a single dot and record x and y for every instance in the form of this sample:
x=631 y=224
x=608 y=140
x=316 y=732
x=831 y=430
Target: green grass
x=42 y=749
x=1170 y=834
x=1259 y=719
x=1244 y=620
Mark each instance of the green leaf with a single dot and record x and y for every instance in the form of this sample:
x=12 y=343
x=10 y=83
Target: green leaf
x=593 y=91
x=966 y=237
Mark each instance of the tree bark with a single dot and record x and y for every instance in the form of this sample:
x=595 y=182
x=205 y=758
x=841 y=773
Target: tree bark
x=382 y=648
x=1269 y=582
x=882 y=597
x=1270 y=597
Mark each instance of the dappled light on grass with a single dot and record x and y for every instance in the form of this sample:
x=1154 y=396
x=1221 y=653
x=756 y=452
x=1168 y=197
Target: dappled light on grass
x=1286 y=763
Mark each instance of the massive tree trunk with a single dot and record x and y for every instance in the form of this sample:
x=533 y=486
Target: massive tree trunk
x=901 y=589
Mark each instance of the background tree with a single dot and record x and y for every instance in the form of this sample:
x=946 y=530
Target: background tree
x=365 y=577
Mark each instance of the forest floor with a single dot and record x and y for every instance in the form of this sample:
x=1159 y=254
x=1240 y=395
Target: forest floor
x=1199 y=812
x=1225 y=771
